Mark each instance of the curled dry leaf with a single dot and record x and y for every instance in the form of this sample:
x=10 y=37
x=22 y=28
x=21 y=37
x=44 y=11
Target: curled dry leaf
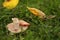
x=10 y=4
x=37 y=12
x=51 y=16
x=17 y=25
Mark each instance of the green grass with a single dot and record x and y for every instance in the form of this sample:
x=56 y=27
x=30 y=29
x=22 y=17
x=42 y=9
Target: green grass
x=39 y=29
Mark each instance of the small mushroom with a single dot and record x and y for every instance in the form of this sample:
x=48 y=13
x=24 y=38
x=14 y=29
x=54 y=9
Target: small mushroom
x=11 y=27
x=24 y=25
x=17 y=26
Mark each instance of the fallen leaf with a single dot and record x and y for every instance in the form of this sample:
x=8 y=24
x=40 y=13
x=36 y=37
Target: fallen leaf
x=10 y=4
x=37 y=12
x=51 y=16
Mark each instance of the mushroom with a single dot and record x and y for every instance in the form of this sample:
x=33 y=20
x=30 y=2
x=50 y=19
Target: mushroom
x=24 y=25
x=11 y=27
x=17 y=26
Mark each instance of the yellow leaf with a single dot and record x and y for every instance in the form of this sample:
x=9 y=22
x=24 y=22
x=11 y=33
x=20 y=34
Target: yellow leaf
x=10 y=4
x=37 y=12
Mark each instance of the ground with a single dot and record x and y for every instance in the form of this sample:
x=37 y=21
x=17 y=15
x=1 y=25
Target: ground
x=39 y=29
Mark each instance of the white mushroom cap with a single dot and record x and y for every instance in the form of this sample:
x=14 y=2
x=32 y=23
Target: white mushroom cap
x=23 y=23
x=13 y=29
x=24 y=28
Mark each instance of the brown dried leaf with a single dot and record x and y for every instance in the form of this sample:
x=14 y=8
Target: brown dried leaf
x=51 y=16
